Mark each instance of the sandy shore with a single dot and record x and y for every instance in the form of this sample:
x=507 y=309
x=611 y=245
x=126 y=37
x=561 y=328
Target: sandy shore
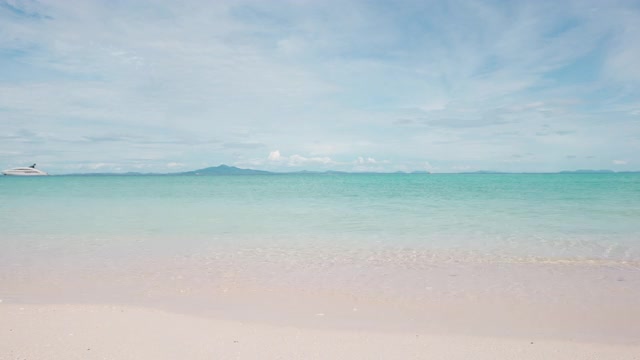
x=120 y=332
x=331 y=305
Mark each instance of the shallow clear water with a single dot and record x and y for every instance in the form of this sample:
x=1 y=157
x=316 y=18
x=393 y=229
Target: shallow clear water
x=543 y=215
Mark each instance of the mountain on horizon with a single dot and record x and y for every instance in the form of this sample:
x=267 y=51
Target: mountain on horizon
x=224 y=170
x=232 y=170
x=588 y=171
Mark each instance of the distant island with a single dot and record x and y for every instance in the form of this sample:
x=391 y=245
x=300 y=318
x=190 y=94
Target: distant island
x=581 y=171
x=232 y=170
x=588 y=172
x=225 y=170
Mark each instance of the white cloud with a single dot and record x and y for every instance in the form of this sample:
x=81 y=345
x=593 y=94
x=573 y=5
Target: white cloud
x=619 y=162
x=361 y=161
x=175 y=165
x=429 y=167
x=275 y=156
x=298 y=160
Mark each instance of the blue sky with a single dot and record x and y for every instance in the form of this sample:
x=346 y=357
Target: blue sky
x=347 y=85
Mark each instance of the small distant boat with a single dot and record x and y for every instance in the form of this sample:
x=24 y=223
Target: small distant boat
x=24 y=171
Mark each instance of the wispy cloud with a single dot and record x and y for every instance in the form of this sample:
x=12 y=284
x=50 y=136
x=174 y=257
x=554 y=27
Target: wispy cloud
x=243 y=145
x=459 y=84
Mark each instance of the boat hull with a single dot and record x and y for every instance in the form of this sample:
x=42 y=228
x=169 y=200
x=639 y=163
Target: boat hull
x=23 y=173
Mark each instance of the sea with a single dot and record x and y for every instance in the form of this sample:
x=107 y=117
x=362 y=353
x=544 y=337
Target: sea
x=189 y=242
x=545 y=216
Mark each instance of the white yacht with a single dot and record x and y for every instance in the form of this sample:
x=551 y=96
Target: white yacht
x=24 y=171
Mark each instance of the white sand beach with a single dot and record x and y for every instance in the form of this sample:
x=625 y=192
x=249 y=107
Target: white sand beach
x=123 y=332
x=243 y=309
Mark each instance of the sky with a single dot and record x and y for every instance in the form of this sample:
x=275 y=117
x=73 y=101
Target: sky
x=442 y=86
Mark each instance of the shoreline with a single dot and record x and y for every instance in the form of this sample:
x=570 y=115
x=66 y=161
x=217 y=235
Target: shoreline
x=590 y=303
x=127 y=332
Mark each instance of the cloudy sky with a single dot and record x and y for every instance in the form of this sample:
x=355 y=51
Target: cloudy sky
x=445 y=86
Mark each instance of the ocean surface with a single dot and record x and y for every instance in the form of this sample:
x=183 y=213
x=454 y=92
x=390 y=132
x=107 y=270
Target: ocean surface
x=579 y=216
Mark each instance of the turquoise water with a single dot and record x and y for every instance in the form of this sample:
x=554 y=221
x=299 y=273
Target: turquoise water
x=545 y=215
